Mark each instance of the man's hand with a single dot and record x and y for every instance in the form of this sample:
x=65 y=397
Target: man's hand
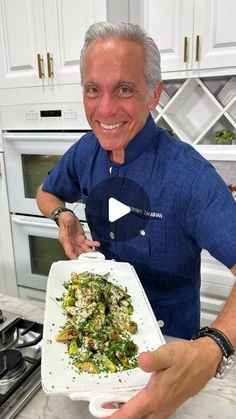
x=72 y=236
x=179 y=371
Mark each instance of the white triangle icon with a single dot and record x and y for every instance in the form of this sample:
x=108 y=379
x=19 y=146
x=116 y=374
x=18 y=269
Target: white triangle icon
x=116 y=209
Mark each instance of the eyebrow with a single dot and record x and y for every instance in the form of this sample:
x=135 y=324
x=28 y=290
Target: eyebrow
x=130 y=83
x=124 y=81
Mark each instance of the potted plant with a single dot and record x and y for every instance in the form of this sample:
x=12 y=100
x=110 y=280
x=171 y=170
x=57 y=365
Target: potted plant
x=224 y=136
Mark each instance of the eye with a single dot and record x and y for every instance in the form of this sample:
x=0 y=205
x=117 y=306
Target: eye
x=126 y=91
x=91 y=91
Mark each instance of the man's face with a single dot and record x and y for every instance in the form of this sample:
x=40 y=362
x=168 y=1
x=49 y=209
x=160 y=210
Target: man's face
x=115 y=93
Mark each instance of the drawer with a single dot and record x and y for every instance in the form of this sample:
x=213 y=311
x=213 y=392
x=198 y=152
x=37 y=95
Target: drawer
x=31 y=294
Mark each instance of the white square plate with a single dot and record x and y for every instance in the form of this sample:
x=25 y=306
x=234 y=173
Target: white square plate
x=59 y=377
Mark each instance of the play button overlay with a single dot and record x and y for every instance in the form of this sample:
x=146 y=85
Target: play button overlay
x=117 y=210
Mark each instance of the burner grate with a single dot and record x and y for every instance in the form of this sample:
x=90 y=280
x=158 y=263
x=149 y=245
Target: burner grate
x=33 y=364
x=20 y=360
x=11 y=363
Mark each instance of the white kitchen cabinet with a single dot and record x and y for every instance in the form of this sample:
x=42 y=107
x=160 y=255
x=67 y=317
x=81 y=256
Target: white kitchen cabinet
x=217 y=282
x=40 y=40
x=168 y=22
x=192 y=34
x=7 y=266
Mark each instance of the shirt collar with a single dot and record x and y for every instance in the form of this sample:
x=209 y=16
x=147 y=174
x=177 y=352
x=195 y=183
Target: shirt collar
x=141 y=141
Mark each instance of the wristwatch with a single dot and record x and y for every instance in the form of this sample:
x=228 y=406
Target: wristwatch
x=225 y=346
x=56 y=213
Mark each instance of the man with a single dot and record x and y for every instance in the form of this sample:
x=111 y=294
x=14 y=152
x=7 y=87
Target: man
x=188 y=208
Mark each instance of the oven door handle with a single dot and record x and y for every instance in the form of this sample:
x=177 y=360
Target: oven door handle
x=24 y=221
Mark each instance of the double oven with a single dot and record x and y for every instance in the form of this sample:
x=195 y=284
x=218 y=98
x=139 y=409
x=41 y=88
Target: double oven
x=34 y=139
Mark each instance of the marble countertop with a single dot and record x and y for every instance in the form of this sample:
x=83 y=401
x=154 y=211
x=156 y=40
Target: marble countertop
x=216 y=401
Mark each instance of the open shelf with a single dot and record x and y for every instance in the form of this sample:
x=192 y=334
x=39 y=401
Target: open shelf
x=222 y=123
x=162 y=123
x=195 y=108
x=231 y=111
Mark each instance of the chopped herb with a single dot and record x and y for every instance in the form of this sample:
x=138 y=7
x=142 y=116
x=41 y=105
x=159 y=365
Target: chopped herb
x=98 y=329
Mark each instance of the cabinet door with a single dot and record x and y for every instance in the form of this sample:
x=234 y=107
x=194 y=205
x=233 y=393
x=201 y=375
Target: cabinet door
x=52 y=28
x=22 y=37
x=170 y=24
x=217 y=282
x=66 y=24
x=214 y=23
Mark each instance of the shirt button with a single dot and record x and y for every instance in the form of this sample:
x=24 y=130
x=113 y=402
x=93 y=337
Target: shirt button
x=110 y=169
x=142 y=232
x=112 y=235
x=160 y=323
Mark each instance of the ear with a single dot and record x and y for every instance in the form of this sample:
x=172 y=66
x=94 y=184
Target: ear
x=155 y=96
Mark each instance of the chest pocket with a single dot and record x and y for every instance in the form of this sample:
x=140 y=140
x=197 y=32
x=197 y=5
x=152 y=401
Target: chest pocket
x=164 y=236
x=155 y=232
x=164 y=232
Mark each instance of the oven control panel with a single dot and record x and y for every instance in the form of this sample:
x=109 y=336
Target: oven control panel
x=48 y=116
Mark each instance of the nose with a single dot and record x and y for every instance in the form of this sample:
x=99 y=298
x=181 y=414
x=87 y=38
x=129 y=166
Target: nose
x=107 y=105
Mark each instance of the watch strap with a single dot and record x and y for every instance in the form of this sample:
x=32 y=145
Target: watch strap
x=225 y=346
x=219 y=337
x=55 y=214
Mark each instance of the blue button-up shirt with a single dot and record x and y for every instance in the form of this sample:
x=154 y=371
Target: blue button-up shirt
x=197 y=211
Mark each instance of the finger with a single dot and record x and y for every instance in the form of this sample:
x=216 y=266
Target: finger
x=155 y=360
x=73 y=249
x=87 y=246
x=121 y=416
x=92 y=243
x=71 y=252
x=136 y=408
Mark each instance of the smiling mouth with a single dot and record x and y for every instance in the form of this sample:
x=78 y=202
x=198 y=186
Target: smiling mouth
x=111 y=126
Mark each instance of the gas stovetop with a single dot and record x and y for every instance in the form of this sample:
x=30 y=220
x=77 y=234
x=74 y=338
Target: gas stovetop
x=20 y=360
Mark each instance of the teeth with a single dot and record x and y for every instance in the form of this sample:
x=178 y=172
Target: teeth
x=105 y=126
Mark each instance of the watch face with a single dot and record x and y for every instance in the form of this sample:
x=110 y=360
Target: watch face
x=56 y=213
x=224 y=366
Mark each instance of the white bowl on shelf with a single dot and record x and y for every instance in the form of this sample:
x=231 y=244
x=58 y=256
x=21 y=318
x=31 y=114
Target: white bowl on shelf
x=227 y=92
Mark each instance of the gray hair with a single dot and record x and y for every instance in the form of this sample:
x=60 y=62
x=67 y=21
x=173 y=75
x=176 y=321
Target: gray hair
x=129 y=31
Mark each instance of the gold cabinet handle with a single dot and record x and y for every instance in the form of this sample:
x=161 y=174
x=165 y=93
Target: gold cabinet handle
x=197 y=48
x=185 y=49
x=40 y=66
x=50 y=64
